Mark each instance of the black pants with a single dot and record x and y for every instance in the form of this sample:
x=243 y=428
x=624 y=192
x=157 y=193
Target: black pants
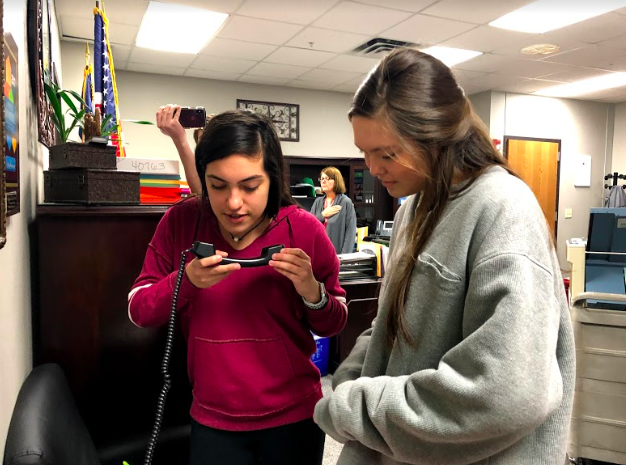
x=299 y=443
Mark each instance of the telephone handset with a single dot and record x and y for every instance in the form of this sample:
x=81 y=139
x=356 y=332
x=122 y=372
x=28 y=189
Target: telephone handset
x=203 y=250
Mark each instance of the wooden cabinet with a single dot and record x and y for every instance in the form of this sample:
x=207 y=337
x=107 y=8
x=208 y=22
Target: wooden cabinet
x=362 y=302
x=370 y=198
x=88 y=259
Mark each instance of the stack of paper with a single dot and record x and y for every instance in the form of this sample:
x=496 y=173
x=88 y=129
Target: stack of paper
x=160 y=181
x=357 y=265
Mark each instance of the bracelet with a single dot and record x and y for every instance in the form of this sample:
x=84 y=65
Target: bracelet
x=322 y=303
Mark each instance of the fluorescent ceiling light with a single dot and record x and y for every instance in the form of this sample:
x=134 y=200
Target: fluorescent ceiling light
x=585 y=86
x=181 y=29
x=547 y=15
x=451 y=56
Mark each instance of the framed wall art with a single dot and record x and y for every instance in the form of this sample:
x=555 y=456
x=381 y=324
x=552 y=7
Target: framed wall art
x=40 y=62
x=11 y=126
x=285 y=116
x=3 y=218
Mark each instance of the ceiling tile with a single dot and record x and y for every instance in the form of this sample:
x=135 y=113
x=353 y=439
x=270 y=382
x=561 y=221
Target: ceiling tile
x=309 y=84
x=344 y=88
x=331 y=76
x=474 y=88
x=487 y=39
x=258 y=30
x=122 y=33
x=491 y=80
x=222 y=6
x=121 y=65
x=75 y=8
x=279 y=71
x=198 y=73
x=565 y=45
x=605 y=94
x=237 y=49
x=155 y=69
x=527 y=86
x=530 y=69
x=72 y=26
x=574 y=74
x=300 y=12
x=272 y=81
x=120 y=53
x=616 y=42
x=360 y=19
x=427 y=30
x=592 y=56
x=225 y=65
x=487 y=63
x=146 y=55
x=327 y=40
x=82 y=28
x=407 y=5
x=121 y=11
x=464 y=75
x=474 y=11
x=299 y=57
x=594 y=30
x=350 y=63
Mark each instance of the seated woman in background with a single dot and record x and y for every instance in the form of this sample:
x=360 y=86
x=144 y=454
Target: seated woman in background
x=336 y=211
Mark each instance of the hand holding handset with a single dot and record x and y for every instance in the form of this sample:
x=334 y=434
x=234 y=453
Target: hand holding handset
x=192 y=117
x=203 y=250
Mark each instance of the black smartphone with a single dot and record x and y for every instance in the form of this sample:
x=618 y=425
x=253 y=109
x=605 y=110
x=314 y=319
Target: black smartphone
x=192 y=117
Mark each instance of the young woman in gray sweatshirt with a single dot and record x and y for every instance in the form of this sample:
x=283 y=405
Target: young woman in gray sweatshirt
x=471 y=357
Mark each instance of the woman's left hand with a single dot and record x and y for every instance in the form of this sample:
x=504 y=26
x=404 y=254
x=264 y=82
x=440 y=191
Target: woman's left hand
x=295 y=264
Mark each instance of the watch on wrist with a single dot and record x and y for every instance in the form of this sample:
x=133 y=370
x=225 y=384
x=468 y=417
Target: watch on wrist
x=323 y=300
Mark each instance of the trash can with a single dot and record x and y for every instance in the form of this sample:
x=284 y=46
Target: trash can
x=320 y=357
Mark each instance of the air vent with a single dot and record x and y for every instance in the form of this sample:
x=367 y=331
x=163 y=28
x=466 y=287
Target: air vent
x=378 y=47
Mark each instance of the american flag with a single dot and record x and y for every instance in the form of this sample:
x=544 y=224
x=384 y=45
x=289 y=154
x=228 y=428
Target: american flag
x=105 y=97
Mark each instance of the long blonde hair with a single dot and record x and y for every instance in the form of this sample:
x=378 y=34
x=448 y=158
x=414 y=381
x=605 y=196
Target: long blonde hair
x=417 y=97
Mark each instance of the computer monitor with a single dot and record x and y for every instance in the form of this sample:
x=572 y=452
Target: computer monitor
x=606 y=272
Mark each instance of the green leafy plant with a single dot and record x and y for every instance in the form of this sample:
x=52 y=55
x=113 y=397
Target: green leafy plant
x=74 y=116
x=56 y=96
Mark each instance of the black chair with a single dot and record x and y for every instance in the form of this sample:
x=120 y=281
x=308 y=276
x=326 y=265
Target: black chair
x=46 y=427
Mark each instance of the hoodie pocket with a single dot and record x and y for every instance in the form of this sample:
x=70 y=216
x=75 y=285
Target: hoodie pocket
x=242 y=377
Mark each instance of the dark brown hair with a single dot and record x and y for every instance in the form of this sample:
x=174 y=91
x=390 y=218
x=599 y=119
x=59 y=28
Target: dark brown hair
x=339 y=187
x=245 y=133
x=418 y=99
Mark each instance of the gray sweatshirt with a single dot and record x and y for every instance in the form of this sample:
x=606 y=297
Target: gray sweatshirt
x=341 y=228
x=491 y=378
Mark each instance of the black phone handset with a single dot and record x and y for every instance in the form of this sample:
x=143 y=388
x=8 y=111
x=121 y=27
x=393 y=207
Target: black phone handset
x=200 y=250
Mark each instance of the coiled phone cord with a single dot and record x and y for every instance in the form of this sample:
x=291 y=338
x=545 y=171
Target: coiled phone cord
x=167 y=378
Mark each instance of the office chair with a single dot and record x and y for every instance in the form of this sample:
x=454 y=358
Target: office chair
x=46 y=427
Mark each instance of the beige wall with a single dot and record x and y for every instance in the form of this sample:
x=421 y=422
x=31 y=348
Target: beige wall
x=324 y=127
x=482 y=106
x=619 y=141
x=583 y=127
x=15 y=257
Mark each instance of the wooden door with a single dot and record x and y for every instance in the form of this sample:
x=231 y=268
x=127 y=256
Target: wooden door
x=537 y=163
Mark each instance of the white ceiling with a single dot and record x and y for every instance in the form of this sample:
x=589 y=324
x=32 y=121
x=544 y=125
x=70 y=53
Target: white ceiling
x=307 y=43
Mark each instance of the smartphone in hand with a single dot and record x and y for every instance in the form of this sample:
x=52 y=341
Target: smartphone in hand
x=192 y=117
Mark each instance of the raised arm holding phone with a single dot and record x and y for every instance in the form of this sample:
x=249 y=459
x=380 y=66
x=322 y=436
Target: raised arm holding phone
x=168 y=121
